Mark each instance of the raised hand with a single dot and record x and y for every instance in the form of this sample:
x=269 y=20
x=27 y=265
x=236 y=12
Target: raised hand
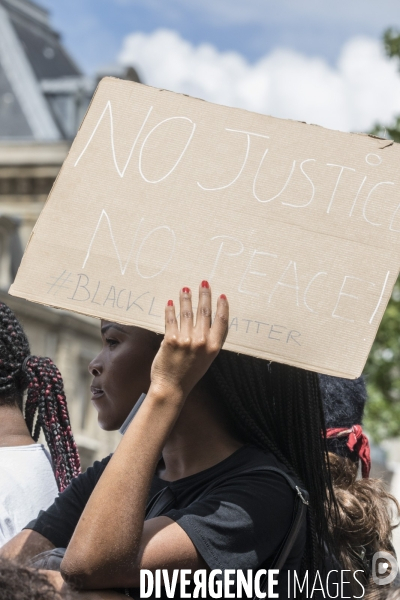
x=187 y=351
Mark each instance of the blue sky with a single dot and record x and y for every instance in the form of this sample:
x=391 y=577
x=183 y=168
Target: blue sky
x=93 y=29
x=319 y=61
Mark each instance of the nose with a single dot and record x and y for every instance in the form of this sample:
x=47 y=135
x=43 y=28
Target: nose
x=95 y=367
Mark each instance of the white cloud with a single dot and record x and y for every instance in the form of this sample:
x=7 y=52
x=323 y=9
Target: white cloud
x=363 y=88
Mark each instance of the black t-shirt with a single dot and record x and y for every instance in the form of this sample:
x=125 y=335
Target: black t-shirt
x=238 y=524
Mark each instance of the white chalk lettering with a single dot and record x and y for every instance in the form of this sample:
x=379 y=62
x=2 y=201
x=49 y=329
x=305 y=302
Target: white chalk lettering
x=248 y=134
x=108 y=106
x=248 y=272
x=308 y=288
x=368 y=199
x=312 y=185
x=283 y=283
x=223 y=243
x=282 y=190
x=380 y=297
x=342 y=168
x=122 y=268
x=357 y=195
x=373 y=159
x=346 y=294
x=180 y=156
x=169 y=257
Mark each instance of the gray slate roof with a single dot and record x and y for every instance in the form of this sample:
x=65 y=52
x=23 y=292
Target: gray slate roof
x=43 y=94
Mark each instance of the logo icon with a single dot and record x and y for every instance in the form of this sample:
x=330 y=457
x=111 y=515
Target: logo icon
x=384 y=568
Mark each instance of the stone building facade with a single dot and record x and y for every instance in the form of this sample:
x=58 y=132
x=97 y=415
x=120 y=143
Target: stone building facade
x=27 y=172
x=43 y=98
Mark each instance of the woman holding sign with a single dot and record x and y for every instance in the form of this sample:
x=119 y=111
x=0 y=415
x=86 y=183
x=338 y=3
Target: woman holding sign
x=236 y=434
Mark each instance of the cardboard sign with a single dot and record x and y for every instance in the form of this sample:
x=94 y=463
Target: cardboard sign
x=298 y=225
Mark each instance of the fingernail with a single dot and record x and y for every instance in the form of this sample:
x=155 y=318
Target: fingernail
x=170 y=303
x=205 y=284
x=223 y=297
x=186 y=290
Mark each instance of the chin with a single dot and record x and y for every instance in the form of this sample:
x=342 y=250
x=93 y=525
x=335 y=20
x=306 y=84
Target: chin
x=108 y=424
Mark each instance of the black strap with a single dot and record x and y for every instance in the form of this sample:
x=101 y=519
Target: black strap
x=299 y=514
x=165 y=500
x=160 y=503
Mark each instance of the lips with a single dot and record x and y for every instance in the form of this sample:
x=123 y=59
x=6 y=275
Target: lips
x=96 y=392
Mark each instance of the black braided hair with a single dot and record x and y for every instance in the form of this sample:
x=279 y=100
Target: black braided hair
x=278 y=408
x=20 y=371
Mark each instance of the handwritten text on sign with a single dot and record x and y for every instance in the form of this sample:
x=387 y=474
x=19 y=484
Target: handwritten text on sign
x=298 y=225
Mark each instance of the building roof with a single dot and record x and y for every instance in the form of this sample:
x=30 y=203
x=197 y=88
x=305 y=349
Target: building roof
x=43 y=94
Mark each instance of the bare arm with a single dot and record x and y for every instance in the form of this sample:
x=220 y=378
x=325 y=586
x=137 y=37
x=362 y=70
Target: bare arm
x=111 y=541
x=25 y=545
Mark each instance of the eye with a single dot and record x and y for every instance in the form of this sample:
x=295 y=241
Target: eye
x=111 y=342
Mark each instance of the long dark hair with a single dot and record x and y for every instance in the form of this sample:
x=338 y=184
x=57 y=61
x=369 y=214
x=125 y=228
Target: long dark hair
x=45 y=398
x=279 y=409
x=367 y=515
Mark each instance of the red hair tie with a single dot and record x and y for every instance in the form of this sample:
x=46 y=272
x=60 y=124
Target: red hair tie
x=357 y=442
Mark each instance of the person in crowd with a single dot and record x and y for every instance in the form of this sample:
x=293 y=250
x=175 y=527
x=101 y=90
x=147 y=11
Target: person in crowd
x=217 y=419
x=18 y=582
x=21 y=583
x=367 y=513
x=28 y=476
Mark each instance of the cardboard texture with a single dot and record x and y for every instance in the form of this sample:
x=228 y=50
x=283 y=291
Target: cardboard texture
x=298 y=225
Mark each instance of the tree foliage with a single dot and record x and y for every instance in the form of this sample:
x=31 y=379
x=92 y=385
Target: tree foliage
x=391 y=40
x=382 y=417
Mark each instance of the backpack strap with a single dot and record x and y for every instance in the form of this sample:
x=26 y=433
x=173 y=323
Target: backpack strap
x=160 y=503
x=299 y=514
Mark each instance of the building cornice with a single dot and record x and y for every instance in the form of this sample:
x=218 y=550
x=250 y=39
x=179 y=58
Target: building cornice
x=59 y=319
x=33 y=153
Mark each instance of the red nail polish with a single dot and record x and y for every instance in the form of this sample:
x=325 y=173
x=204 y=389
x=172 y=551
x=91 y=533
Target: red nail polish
x=223 y=297
x=186 y=290
x=170 y=303
x=205 y=284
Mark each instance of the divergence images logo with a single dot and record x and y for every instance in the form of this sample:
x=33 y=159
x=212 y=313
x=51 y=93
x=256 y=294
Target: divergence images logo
x=384 y=568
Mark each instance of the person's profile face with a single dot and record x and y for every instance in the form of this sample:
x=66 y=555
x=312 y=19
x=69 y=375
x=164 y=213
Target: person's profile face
x=121 y=371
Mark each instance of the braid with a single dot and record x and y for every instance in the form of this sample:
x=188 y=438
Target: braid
x=14 y=347
x=279 y=409
x=46 y=397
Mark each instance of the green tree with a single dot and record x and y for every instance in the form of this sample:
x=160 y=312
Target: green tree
x=382 y=416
